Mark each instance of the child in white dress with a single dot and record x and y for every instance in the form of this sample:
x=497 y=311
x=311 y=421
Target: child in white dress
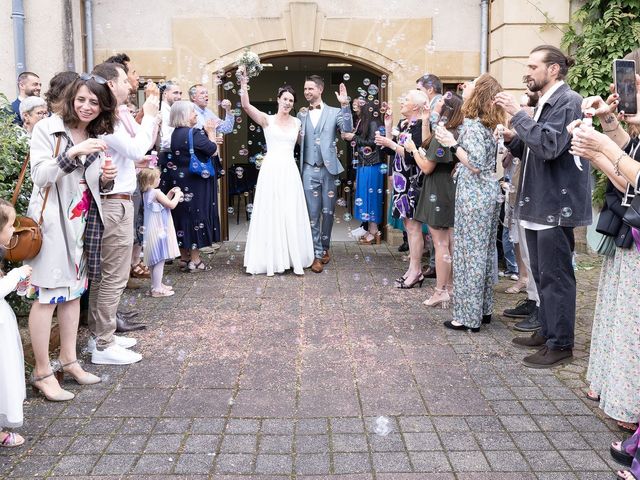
x=12 y=387
x=160 y=240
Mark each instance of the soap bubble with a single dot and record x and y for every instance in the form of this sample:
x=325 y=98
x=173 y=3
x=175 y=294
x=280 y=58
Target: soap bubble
x=382 y=426
x=347 y=217
x=346 y=77
x=358 y=202
x=230 y=210
x=228 y=86
x=433 y=198
x=250 y=208
x=563 y=191
x=366 y=82
x=551 y=219
x=566 y=212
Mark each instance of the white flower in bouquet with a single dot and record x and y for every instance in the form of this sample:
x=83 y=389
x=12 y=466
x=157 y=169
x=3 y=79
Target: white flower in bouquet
x=250 y=62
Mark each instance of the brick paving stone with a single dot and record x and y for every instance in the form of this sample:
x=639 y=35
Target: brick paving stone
x=160 y=464
x=457 y=441
x=114 y=464
x=163 y=443
x=207 y=425
x=507 y=461
x=430 y=461
x=273 y=464
x=351 y=463
x=470 y=461
x=312 y=464
x=201 y=443
x=194 y=463
x=127 y=444
x=88 y=445
x=239 y=444
x=349 y=442
x=276 y=444
x=391 y=462
x=142 y=426
x=546 y=460
x=387 y=443
x=346 y=425
x=584 y=460
x=75 y=465
x=234 y=463
x=51 y=445
x=172 y=425
x=489 y=441
x=35 y=466
x=276 y=426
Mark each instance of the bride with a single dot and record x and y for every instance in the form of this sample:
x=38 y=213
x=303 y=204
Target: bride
x=279 y=233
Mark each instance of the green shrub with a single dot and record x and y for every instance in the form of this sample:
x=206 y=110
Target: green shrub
x=600 y=31
x=14 y=147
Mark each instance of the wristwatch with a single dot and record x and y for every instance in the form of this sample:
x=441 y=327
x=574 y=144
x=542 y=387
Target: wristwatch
x=453 y=148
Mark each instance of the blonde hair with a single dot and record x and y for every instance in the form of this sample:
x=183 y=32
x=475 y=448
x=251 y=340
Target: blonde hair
x=480 y=104
x=147 y=177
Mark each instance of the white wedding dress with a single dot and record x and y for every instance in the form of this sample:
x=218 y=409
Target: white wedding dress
x=279 y=235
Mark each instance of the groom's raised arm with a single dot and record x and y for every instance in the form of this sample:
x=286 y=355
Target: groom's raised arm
x=345 y=119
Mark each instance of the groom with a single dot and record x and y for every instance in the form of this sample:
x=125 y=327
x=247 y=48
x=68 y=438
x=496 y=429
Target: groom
x=319 y=162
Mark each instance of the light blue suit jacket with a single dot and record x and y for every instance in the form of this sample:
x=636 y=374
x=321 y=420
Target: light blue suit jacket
x=318 y=144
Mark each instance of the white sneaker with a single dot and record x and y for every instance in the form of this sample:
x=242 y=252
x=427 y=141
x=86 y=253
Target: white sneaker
x=115 y=355
x=124 y=342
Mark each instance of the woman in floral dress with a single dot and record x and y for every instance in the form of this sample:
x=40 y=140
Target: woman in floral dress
x=476 y=204
x=405 y=177
x=614 y=359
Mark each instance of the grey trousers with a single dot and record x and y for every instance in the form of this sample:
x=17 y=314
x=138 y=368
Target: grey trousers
x=115 y=262
x=320 y=192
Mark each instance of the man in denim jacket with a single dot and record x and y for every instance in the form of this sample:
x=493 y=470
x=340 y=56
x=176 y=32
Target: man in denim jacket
x=555 y=197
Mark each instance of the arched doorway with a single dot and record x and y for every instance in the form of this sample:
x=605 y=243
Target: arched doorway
x=241 y=148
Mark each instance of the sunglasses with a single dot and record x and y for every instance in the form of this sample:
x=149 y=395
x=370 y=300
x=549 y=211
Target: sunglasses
x=90 y=76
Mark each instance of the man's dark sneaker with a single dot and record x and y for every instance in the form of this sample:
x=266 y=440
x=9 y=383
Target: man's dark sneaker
x=529 y=324
x=534 y=341
x=547 y=358
x=522 y=310
x=404 y=247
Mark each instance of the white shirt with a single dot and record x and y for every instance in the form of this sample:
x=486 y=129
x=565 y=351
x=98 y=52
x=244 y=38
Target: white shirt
x=129 y=142
x=165 y=129
x=314 y=115
x=543 y=99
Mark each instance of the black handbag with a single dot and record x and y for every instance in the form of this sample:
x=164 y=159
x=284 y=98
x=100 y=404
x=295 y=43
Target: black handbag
x=632 y=215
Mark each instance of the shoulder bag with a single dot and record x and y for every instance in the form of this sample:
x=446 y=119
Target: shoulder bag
x=196 y=166
x=26 y=241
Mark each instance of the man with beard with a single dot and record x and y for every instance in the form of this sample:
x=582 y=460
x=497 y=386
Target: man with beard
x=28 y=85
x=554 y=197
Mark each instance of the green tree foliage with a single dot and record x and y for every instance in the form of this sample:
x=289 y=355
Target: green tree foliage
x=14 y=147
x=600 y=32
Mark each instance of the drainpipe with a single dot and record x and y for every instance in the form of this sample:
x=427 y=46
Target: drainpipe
x=88 y=28
x=484 y=34
x=17 y=15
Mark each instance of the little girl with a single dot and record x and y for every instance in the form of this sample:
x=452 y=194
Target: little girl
x=12 y=388
x=160 y=241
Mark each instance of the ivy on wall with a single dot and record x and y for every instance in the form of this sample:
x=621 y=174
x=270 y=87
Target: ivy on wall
x=600 y=31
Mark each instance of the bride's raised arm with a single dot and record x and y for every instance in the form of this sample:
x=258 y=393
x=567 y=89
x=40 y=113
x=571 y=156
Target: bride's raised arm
x=256 y=115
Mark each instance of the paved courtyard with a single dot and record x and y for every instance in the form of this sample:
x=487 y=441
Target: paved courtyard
x=285 y=378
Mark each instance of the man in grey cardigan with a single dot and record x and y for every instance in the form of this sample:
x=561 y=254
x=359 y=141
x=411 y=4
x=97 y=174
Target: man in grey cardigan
x=319 y=161
x=554 y=197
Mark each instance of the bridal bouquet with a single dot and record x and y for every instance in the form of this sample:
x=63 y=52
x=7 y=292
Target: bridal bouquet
x=251 y=63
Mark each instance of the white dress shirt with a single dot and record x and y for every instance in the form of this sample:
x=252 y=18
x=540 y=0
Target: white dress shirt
x=314 y=115
x=165 y=129
x=128 y=143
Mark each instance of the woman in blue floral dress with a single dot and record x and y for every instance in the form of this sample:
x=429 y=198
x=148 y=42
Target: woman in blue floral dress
x=476 y=204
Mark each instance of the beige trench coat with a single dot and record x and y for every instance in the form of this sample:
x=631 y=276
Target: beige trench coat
x=53 y=266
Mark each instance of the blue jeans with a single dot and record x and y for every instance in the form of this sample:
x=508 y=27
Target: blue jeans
x=509 y=252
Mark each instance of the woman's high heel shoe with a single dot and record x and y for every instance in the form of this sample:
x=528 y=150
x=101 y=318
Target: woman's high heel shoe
x=86 y=378
x=443 y=299
x=62 y=396
x=418 y=281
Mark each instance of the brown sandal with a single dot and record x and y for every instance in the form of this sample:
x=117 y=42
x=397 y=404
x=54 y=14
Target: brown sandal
x=140 y=270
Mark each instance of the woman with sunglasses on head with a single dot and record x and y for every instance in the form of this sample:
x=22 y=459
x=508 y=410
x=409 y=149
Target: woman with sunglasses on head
x=67 y=173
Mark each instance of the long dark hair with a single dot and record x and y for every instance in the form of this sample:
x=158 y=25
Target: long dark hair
x=104 y=122
x=366 y=116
